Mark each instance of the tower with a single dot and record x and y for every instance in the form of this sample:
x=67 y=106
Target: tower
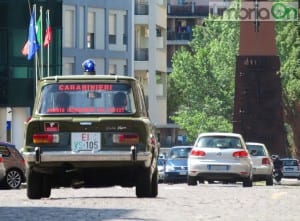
x=258 y=111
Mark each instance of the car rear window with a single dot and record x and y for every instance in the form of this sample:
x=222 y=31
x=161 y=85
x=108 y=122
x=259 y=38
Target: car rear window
x=290 y=163
x=180 y=152
x=256 y=150
x=86 y=98
x=219 y=142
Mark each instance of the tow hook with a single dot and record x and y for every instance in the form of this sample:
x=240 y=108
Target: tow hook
x=133 y=153
x=37 y=151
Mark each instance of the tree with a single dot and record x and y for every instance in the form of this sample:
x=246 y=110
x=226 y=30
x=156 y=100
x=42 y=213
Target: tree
x=203 y=79
x=288 y=45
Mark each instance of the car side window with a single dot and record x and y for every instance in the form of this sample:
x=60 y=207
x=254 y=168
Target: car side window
x=4 y=151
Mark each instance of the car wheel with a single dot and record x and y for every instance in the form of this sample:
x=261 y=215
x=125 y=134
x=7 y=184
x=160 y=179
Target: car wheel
x=269 y=181
x=144 y=184
x=46 y=187
x=34 y=185
x=191 y=181
x=248 y=182
x=13 y=179
x=154 y=184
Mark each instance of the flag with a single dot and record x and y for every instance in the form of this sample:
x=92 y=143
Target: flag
x=48 y=35
x=33 y=46
x=38 y=28
x=25 y=49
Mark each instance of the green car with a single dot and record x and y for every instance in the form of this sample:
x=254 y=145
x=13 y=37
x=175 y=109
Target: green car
x=90 y=131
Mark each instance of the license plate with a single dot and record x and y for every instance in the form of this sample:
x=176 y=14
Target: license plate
x=85 y=141
x=217 y=167
x=183 y=173
x=289 y=169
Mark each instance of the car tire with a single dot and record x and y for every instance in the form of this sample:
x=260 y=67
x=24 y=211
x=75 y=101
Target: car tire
x=154 y=184
x=248 y=182
x=13 y=179
x=143 y=184
x=269 y=180
x=46 y=187
x=34 y=185
x=191 y=181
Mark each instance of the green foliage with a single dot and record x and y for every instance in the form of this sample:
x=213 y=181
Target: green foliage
x=203 y=79
x=288 y=44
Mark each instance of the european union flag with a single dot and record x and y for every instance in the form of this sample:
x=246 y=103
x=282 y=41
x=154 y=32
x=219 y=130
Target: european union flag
x=33 y=45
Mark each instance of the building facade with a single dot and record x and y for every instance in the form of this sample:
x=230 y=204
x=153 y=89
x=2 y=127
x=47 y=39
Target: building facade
x=124 y=37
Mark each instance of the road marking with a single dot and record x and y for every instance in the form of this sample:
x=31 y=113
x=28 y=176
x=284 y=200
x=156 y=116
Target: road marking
x=278 y=195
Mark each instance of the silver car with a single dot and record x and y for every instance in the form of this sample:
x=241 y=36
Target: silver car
x=220 y=157
x=262 y=162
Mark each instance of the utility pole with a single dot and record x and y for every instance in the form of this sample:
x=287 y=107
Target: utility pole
x=258 y=109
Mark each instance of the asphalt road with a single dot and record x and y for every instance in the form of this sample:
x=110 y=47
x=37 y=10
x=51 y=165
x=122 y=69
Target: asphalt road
x=212 y=202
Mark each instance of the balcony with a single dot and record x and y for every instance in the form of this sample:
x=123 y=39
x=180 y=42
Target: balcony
x=191 y=8
x=141 y=9
x=141 y=54
x=172 y=35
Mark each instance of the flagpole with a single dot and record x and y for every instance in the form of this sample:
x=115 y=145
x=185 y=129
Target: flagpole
x=41 y=43
x=48 y=49
x=35 y=57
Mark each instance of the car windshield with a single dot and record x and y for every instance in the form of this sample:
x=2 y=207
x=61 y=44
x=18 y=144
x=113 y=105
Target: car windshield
x=180 y=152
x=218 y=142
x=256 y=150
x=86 y=98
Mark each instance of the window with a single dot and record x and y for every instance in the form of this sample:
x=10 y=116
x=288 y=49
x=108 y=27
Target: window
x=91 y=30
x=4 y=151
x=69 y=27
x=112 y=28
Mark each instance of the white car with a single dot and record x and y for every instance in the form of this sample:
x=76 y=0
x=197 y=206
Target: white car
x=220 y=157
x=291 y=168
x=262 y=162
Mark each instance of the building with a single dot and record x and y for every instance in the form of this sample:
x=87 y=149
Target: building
x=182 y=16
x=17 y=74
x=124 y=37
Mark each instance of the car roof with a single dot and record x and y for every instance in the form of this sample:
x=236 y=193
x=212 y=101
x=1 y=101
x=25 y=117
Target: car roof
x=7 y=144
x=255 y=143
x=88 y=77
x=220 y=134
x=173 y=147
x=289 y=159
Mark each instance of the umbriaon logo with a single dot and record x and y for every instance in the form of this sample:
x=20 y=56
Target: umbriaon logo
x=253 y=11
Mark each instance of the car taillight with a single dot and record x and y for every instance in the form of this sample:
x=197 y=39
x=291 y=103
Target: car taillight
x=265 y=161
x=198 y=153
x=240 y=154
x=45 y=138
x=1 y=159
x=125 y=138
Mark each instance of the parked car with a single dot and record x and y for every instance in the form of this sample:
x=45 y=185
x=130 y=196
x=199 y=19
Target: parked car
x=291 y=168
x=2 y=168
x=176 y=164
x=161 y=169
x=90 y=136
x=14 y=166
x=262 y=162
x=220 y=157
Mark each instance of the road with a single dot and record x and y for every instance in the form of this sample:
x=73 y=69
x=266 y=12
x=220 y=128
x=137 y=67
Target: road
x=209 y=202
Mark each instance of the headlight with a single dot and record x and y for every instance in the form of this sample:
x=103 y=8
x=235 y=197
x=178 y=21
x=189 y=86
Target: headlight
x=169 y=168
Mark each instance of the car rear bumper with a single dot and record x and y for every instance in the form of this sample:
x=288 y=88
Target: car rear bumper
x=291 y=174
x=105 y=156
